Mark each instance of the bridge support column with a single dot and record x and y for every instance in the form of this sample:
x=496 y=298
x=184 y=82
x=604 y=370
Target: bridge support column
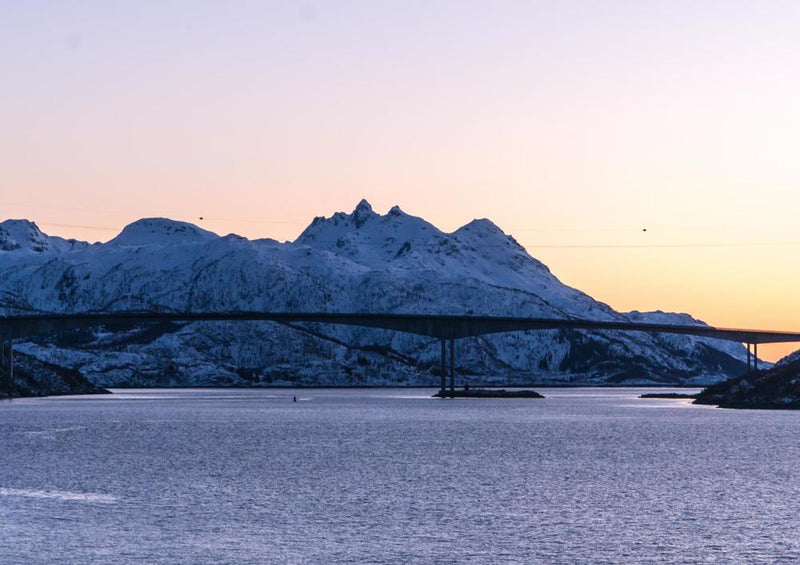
x=748 y=357
x=7 y=360
x=452 y=365
x=755 y=356
x=442 y=365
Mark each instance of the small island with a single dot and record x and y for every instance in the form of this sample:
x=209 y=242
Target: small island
x=668 y=395
x=486 y=393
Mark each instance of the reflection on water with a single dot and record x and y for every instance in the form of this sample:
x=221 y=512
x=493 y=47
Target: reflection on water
x=60 y=495
x=393 y=476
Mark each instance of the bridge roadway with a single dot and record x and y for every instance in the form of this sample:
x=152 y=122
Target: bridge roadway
x=442 y=327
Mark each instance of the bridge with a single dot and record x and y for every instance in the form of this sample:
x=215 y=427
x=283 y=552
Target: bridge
x=442 y=327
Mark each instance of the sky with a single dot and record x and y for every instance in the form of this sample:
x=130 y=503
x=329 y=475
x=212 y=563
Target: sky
x=645 y=151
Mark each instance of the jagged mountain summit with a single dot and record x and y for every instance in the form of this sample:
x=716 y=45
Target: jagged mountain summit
x=357 y=262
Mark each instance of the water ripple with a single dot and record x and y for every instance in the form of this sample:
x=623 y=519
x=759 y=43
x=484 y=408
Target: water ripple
x=60 y=495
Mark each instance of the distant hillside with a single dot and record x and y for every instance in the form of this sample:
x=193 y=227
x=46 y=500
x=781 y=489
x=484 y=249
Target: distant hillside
x=36 y=378
x=775 y=388
x=356 y=262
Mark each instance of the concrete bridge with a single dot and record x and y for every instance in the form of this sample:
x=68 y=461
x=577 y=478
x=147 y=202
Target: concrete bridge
x=442 y=327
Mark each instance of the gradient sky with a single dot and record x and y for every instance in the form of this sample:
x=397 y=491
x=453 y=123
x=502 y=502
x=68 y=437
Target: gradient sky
x=572 y=125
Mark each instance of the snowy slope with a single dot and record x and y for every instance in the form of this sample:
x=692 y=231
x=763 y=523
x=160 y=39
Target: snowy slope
x=362 y=261
x=24 y=237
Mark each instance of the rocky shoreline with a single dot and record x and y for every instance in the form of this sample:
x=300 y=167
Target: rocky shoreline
x=668 y=395
x=34 y=378
x=777 y=388
x=487 y=393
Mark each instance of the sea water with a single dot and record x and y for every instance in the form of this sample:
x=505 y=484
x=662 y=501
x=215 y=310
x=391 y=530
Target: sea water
x=394 y=476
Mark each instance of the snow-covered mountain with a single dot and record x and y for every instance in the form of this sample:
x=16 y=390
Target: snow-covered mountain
x=357 y=262
x=23 y=236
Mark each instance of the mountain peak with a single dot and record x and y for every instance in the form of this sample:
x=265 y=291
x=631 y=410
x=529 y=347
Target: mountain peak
x=484 y=231
x=340 y=222
x=363 y=205
x=22 y=234
x=150 y=231
x=362 y=214
x=25 y=236
x=483 y=227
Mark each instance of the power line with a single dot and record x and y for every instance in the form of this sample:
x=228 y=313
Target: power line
x=664 y=245
x=79 y=226
x=517 y=229
x=188 y=217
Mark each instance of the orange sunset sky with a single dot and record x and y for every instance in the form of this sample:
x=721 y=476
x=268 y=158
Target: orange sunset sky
x=574 y=126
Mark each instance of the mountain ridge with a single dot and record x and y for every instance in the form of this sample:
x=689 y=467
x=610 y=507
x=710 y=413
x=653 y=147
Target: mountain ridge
x=357 y=262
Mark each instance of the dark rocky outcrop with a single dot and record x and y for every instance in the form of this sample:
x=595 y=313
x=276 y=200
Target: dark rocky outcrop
x=33 y=377
x=487 y=393
x=775 y=388
x=668 y=395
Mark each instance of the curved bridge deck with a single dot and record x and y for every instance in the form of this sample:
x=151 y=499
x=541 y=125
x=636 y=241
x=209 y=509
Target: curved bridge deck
x=441 y=327
x=431 y=325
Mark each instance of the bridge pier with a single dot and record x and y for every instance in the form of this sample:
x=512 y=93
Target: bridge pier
x=452 y=365
x=748 y=357
x=7 y=360
x=755 y=356
x=442 y=368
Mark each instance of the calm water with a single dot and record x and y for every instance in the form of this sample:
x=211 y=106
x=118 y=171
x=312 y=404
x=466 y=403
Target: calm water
x=220 y=476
